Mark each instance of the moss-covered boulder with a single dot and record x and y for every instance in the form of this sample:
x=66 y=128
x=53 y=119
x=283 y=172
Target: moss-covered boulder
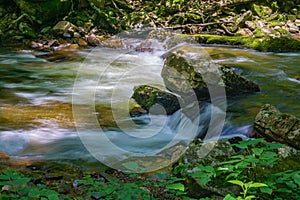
x=188 y=71
x=208 y=154
x=277 y=126
x=155 y=100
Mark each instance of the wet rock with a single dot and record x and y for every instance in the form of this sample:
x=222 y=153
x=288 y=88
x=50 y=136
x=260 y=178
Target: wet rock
x=188 y=71
x=251 y=25
x=292 y=27
x=35 y=45
x=244 y=32
x=93 y=40
x=149 y=45
x=112 y=42
x=178 y=39
x=160 y=35
x=277 y=126
x=82 y=42
x=64 y=28
x=155 y=100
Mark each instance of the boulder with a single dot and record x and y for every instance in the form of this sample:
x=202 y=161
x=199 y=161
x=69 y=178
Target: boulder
x=93 y=40
x=64 y=28
x=277 y=126
x=207 y=154
x=188 y=71
x=151 y=99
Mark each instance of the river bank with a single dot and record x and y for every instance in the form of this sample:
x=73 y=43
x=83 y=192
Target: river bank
x=48 y=26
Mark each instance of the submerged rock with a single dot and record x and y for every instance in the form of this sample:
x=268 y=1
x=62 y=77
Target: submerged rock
x=155 y=100
x=277 y=126
x=188 y=71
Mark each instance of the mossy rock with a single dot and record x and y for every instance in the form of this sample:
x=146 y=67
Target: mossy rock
x=148 y=96
x=281 y=127
x=263 y=43
x=189 y=72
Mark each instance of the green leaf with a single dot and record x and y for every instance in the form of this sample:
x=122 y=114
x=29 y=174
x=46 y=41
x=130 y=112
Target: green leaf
x=266 y=190
x=244 y=144
x=250 y=197
x=206 y=168
x=236 y=182
x=285 y=190
x=230 y=162
x=229 y=197
x=257 y=151
x=21 y=181
x=256 y=185
x=296 y=178
x=176 y=186
x=291 y=184
x=53 y=197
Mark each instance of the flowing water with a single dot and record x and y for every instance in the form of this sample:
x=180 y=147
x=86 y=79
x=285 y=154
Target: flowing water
x=36 y=118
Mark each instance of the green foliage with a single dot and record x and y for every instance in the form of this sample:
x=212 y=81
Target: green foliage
x=245 y=187
x=243 y=170
x=16 y=186
x=115 y=189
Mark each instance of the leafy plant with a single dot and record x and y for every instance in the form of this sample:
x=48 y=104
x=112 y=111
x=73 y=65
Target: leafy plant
x=15 y=186
x=245 y=187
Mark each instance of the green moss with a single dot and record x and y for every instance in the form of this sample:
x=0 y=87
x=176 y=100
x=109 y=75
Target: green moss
x=265 y=43
x=276 y=44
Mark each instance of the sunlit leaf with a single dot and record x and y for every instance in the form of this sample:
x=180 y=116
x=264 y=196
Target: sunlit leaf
x=176 y=186
x=255 y=185
x=229 y=197
x=236 y=182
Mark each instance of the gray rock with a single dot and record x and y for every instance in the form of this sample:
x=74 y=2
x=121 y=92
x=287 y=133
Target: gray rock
x=64 y=28
x=277 y=126
x=207 y=154
x=148 y=97
x=188 y=72
x=93 y=40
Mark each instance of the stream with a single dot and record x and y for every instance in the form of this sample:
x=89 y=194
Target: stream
x=37 y=97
